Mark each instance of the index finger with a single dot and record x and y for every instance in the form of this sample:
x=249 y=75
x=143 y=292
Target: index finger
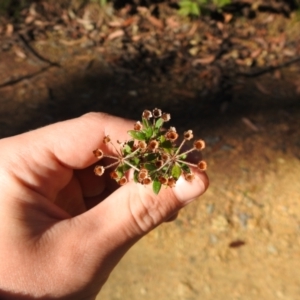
x=72 y=142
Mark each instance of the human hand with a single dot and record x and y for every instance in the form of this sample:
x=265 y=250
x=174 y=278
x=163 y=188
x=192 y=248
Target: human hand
x=62 y=228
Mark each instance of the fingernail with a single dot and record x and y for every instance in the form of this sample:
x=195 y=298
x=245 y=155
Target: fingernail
x=186 y=191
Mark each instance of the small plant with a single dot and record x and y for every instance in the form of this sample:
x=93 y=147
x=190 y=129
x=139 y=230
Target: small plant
x=152 y=152
x=194 y=7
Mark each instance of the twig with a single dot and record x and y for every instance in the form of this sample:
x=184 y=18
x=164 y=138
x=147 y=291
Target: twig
x=17 y=80
x=269 y=69
x=35 y=53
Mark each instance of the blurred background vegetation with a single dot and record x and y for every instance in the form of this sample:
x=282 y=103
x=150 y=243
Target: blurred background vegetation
x=12 y=8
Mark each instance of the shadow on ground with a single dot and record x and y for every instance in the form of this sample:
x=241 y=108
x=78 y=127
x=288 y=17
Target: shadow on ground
x=242 y=238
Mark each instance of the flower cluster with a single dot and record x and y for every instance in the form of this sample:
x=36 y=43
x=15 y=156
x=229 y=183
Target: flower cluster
x=153 y=153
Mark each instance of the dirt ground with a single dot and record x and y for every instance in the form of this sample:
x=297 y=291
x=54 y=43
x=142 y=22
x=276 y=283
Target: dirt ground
x=241 y=240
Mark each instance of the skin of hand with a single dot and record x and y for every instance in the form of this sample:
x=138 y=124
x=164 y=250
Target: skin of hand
x=62 y=228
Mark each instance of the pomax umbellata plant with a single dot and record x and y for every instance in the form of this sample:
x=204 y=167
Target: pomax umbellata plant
x=153 y=153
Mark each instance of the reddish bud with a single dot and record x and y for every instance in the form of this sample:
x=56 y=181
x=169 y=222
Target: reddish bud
x=159 y=163
x=171 y=182
x=114 y=175
x=153 y=145
x=98 y=153
x=142 y=145
x=199 y=145
x=189 y=177
x=147 y=114
x=106 y=139
x=134 y=147
x=147 y=180
x=171 y=134
x=164 y=156
x=138 y=126
x=142 y=175
x=163 y=180
x=122 y=181
x=202 y=165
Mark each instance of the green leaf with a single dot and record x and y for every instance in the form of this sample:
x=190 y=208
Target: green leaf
x=135 y=176
x=134 y=161
x=160 y=133
x=185 y=3
x=150 y=156
x=145 y=123
x=195 y=9
x=168 y=150
x=126 y=149
x=159 y=123
x=150 y=167
x=166 y=144
x=126 y=167
x=103 y=3
x=120 y=171
x=162 y=138
x=220 y=3
x=185 y=168
x=156 y=186
x=148 y=132
x=130 y=143
x=182 y=157
x=176 y=171
x=138 y=135
x=189 y=7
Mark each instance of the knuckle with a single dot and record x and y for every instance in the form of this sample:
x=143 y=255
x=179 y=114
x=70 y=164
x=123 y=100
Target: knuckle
x=149 y=210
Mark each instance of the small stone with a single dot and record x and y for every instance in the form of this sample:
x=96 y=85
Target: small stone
x=220 y=223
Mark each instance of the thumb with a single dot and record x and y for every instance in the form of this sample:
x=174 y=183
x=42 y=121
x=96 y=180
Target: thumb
x=136 y=210
x=133 y=210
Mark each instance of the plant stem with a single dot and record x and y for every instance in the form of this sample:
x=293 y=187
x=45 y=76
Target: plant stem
x=168 y=161
x=132 y=153
x=119 y=153
x=111 y=165
x=186 y=152
x=129 y=164
x=182 y=143
x=186 y=163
